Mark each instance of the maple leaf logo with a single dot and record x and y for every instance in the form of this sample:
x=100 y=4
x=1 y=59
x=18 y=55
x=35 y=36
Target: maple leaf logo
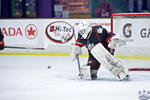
x=31 y=31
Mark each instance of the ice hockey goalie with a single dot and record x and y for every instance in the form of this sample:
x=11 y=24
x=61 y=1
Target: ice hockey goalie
x=101 y=46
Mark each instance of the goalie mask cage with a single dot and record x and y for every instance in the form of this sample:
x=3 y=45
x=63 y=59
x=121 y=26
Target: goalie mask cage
x=135 y=27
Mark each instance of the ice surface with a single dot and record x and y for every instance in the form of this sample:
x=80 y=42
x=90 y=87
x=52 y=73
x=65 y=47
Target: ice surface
x=28 y=78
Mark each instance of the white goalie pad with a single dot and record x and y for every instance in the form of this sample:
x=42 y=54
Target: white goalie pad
x=85 y=70
x=109 y=61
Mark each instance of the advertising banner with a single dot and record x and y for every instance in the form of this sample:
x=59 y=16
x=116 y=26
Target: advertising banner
x=23 y=33
x=42 y=32
x=136 y=31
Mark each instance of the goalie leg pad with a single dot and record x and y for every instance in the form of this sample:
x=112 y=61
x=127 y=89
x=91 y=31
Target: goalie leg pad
x=109 y=61
x=85 y=70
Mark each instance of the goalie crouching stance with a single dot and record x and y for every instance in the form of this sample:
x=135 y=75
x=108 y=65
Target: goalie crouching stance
x=101 y=46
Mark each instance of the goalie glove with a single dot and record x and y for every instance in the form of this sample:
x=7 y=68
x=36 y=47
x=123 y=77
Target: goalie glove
x=116 y=41
x=76 y=51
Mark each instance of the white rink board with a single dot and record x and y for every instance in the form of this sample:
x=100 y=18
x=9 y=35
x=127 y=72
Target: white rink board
x=140 y=31
x=15 y=32
x=136 y=29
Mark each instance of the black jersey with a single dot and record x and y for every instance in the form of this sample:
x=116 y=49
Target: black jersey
x=97 y=35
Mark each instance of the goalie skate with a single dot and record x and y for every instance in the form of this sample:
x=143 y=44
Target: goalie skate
x=110 y=62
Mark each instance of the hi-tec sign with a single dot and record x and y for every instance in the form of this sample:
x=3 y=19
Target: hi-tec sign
x=59 y=32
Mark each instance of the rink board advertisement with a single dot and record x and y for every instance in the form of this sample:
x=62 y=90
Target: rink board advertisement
x=42 y=32
x=23 y=33
x=136 y=31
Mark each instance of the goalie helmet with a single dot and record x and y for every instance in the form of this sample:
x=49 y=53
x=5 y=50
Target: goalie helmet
x=84 y=29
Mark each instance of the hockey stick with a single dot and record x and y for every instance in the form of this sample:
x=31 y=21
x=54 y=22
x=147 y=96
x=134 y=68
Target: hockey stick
x=78 y=61
x=13 y=47
x=79 y=67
